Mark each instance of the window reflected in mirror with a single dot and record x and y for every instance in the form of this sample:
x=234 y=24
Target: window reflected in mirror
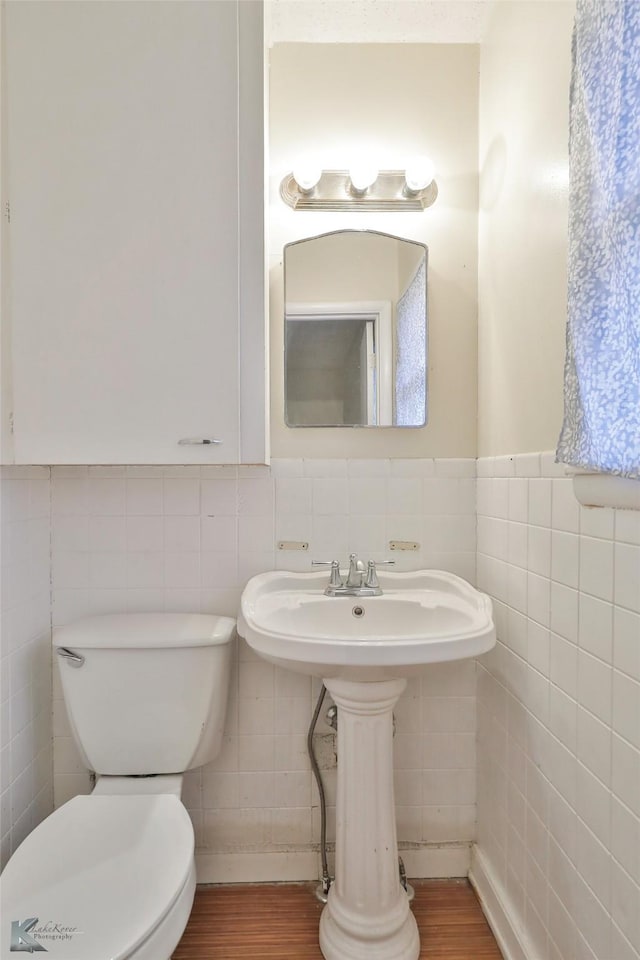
x=355 y=331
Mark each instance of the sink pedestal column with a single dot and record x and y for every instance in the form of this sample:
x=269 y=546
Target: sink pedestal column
x=367 y=916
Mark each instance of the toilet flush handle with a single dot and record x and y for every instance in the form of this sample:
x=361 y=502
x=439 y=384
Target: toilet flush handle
x=73 y=659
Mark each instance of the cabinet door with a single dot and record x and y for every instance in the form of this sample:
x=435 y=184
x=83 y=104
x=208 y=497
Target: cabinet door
x=136 y=264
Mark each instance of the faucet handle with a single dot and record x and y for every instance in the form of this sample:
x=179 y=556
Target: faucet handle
x=335 y=580
x=372 y=576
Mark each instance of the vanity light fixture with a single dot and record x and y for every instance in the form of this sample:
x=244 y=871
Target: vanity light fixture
x=361 y=188
x=418 y=175
x=306 y=176
x=361 y=177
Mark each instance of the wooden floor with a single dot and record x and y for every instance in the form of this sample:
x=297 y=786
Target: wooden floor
x=280 y=922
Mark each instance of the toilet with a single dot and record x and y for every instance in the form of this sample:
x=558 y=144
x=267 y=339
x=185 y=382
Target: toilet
x=111 y=876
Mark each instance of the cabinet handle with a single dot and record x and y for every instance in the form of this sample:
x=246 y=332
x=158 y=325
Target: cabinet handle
x=194 y=441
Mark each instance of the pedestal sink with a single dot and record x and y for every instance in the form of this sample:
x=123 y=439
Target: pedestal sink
x=365 y=648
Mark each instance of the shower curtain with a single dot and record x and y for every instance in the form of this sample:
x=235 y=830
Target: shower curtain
x=410 y=400
x=601 y=429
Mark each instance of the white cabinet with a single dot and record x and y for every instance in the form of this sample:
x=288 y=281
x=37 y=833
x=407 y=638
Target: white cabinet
x=135 y=146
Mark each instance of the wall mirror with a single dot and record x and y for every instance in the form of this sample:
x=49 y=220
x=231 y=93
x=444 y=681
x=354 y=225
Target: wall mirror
x=355 y=331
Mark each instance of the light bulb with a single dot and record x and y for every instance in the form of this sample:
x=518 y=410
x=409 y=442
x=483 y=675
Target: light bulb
x=419 y=174
x=307 y=175
x=362 y=176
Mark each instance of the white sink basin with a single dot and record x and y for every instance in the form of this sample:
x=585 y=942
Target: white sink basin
x=423 y=617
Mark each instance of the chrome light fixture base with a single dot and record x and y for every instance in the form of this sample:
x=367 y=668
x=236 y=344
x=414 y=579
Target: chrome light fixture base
x=334 y=192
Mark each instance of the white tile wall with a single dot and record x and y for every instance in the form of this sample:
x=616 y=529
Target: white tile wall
x=171 y=538
x=26 y=764
x=559 y=712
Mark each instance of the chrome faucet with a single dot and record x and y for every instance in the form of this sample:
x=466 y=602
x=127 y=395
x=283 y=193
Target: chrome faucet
x=361 y=580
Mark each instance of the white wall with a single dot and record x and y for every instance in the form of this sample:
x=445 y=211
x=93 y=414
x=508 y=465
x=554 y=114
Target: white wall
x=524 y=110
x=171 y=538
x=26 y=755
x=391 y=101
x=558 y=852
x=559 y=714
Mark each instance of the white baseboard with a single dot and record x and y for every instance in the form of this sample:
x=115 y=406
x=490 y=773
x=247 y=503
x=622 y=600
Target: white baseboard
x=495 y=906
x=271 y=866
x=437 y=862
x=427 y=861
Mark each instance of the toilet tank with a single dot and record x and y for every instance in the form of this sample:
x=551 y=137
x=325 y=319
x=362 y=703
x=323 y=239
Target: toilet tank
x=148 y=692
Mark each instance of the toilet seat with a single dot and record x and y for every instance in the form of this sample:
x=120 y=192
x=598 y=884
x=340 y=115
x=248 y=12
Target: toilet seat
x=100 y=875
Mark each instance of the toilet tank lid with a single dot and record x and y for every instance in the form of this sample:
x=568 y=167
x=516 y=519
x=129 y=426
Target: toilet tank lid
x=140 y=630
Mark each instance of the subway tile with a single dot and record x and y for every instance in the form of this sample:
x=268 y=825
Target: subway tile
x=221 y=471
x=256 y=496
x=286 y=467
x=182 y=534
x=144 y=534
x=144 y=497
x=326 y=469
x=626 y=708
x=69 y=496
x=518 y=500
x=626 y=642
x=143 y=570
x=595 y=626
x=597 y=522
x=625 y=839
x=218 y=534
x=596 y=567
x=219 y=497
x=181 y=496
x=292 y=825
x=366 y=535
x=412 y=468
x=368 y=469
x=594 y=745
x=145 y=471
x=592 y=920
x=518 y=544
x=107 y=534
x=294 y=495
x=109 y=570
x=538 y=645
x=564 y=558
x=539 y=599
x=593 y=804
x=625 y=773
x=550 y=467
x=627 y=581
x=564 y=612
x=251 y=563
x=527 y=465
x=255 y=534
x=565 y=513
x=624 y=903
x=594 y=686
x=71 y=570
x=367 y=496
x=452 y=468
x=70 y=533
x=540 y=502
x=329 y=496
x=106 y=497
x=627 y=526
x=404 y=495
x=181 y=570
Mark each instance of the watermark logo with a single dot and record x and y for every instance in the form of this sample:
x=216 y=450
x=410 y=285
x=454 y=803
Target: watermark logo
x=27 y=935
x=21 y=939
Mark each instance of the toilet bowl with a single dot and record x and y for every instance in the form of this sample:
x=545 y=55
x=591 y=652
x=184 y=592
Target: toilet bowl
x=104 y=877
x=111 y=876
